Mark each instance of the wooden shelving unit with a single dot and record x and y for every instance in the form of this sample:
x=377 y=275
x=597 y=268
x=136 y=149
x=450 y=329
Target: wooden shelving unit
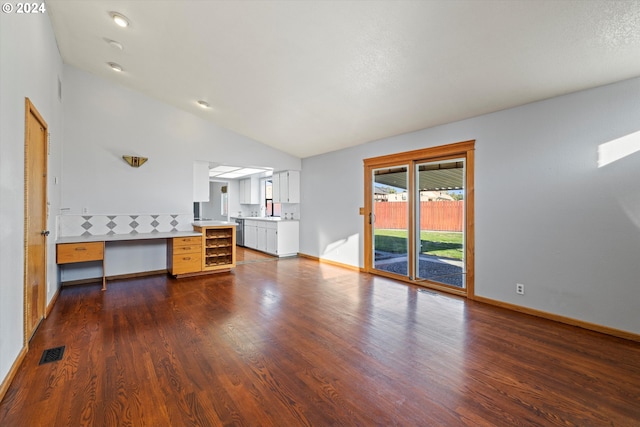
x=219 y=247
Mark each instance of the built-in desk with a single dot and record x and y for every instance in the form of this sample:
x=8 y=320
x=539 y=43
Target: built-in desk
x=76 y=249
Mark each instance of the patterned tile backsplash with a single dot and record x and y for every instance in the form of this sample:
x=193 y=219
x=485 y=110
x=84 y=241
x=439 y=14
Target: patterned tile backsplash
x=96 y=225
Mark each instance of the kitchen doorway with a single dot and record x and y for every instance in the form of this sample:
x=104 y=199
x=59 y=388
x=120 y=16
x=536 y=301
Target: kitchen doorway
x=419 y=217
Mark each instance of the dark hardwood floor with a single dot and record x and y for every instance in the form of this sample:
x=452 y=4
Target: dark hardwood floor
x=298 y=343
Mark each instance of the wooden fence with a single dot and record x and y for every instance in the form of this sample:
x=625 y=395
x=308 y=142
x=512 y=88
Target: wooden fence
x=435 y=216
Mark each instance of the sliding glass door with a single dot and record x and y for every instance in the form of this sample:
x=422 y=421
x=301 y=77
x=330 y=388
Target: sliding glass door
x=390 y=219
x=419 y=216
x=440 y=221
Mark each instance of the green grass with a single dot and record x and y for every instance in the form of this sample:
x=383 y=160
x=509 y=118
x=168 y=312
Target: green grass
x=436 y=243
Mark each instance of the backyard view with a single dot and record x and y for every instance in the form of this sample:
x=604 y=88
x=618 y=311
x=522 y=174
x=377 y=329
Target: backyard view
x=440 y=254
x=435 y=243
x=438 y=197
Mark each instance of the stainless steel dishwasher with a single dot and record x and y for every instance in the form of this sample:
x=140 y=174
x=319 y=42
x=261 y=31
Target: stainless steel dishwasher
x=239 y=231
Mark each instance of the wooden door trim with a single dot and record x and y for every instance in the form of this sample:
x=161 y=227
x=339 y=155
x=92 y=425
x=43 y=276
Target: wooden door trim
x=464 y=149
x=32 y=111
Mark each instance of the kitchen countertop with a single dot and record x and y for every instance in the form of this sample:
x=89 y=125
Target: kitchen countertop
x=265 y=218
x=213 y=223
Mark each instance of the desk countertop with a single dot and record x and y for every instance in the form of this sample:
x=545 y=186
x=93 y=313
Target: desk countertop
x=126 y=237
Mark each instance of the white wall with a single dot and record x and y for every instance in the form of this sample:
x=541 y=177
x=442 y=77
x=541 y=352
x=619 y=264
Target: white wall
x=30 y=66
x=546 y=215
x=104 y=121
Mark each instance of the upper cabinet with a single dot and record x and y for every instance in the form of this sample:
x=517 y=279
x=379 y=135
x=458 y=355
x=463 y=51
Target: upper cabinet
x=249 y=191
x=286 y=187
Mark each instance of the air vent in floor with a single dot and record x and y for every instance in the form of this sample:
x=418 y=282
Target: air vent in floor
x=52 y=355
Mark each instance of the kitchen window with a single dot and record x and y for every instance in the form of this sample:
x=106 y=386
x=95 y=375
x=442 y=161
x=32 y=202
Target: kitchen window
x=272 y=209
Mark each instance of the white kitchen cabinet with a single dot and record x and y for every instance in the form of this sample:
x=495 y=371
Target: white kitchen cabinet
x=249 y=191
x=280 y=238
x=272 y=240
x=262 y=238
x=286 y=187
x=275 y=187
x=293 y=185
x=288 y=238
x=250 y=234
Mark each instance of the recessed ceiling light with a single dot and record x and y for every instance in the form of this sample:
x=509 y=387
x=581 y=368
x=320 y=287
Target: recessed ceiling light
x=115 y=67
x=114 y=43
x=119 y=19
x=204 y=104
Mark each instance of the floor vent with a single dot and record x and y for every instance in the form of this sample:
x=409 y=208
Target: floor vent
x=425 y=291
x=52 y=355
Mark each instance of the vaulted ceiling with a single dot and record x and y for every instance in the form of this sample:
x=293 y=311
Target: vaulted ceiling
x=309 y=77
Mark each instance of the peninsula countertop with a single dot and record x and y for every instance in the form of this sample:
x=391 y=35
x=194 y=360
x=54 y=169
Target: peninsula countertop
x=213 y=223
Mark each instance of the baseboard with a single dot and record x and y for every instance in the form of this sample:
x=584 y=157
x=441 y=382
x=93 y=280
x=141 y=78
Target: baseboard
x=202 y=273
x=115 y=277
x=134 y=275
x=327 y=261
x=4 y=387
x=51 y=304
x=562 y=319
x=97 y=280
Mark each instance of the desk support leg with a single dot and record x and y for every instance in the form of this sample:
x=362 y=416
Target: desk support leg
x=104 y=272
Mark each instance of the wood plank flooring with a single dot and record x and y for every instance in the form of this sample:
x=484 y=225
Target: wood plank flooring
x=298 y=343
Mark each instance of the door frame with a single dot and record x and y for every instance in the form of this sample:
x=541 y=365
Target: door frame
x=31 y=111
x=464 y=149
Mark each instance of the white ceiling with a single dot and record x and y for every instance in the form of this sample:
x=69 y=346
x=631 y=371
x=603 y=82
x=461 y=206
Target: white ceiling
x=309 y=77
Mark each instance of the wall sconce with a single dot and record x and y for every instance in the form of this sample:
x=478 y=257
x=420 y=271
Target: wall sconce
x=135 y=161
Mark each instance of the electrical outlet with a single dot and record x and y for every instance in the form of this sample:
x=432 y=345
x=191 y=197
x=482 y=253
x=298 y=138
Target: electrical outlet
x=519 y=289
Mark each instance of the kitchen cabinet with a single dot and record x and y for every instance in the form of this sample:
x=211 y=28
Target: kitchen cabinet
x=184 y=255
x=262 y=238
x=272 y=240
x=286 y=187
x=250 y=234
x=249 y=191
x=213 y=251
x=218 y=247
x=280 y=238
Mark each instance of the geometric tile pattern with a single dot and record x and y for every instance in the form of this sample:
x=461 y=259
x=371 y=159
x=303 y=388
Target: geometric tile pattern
x=98 y=225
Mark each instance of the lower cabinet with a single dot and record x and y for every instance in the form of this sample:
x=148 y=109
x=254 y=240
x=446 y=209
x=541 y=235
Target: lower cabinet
x=219 y=251
x=184 y=255
x=278 y=238
x=250 y=234
x=213 y=252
